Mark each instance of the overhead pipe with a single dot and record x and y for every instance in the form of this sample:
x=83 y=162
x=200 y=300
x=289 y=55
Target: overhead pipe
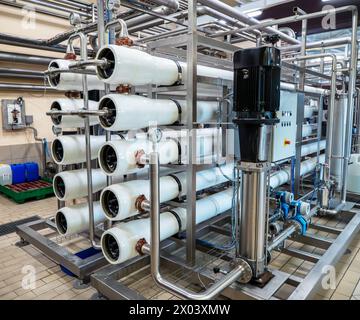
x=24 y=87
x=232 y=12
x=318 y=44
x=298 y=17
x=21 y=73
x=59 y=7
x=13 y=4
x=24 y=58
x=171 y=4
x=123 y=200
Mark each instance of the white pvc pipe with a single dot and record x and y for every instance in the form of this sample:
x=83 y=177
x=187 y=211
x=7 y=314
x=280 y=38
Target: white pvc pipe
x=73 y=184
x=66 y=104
x=135 y=67
x=118 y=200
x=307 y=130
x=119 y=157
x=71 y=81
x=309 y=110
x=312 y=148
x=136 y=112
x=126 y=235
x=283 y=176
x=75 y=219
x=308 y=89
x=125 y=110
x=71 y=149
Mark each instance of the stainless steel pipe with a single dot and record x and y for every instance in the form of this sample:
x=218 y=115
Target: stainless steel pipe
x=252 y=22
x=242 y=269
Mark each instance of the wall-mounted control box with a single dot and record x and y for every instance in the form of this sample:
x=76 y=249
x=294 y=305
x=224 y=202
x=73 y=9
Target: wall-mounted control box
x=284 y=132
x=13 y=114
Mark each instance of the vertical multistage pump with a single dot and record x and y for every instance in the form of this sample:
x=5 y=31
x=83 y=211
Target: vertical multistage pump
x=256 y=101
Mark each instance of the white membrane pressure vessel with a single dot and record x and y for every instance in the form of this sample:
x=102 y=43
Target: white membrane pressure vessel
x=134 y=67
x=125 y=110
x=119 y=157
x=71 y=81
x=75 y=219
x=118 y=243
x=73 y=184
x=67 y=104
x=118 y=200
x=135 y=112
x=71 y=149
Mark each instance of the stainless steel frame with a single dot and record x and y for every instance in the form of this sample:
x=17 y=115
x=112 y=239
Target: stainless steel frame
x=29 y=233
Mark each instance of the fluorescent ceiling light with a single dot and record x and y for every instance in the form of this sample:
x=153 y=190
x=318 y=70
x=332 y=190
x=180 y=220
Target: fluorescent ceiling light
x=255 y=13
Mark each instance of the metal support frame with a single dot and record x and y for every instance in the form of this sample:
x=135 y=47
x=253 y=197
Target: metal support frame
x=106 y=280
x=81 y=268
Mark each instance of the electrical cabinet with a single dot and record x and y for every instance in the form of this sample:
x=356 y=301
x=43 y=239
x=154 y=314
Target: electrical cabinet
x=284 y=132
x=13 y=114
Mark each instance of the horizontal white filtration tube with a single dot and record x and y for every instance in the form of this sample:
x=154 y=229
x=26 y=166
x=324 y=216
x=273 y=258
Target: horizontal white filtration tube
x=67 y=104
x=118 y=243
x=280 y=177
x=308 y=130
x=312 y=147
x=135 y=112
x=120 y=157
x=118 y=200
x=124 y=111
x=135 y=67
x=75 y=219
x=71 y=149
x=309 y=111
x=73 y=184
x=71 y=81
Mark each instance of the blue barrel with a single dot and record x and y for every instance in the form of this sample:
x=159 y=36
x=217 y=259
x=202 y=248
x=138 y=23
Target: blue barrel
x=32 y=171
x=18 y=173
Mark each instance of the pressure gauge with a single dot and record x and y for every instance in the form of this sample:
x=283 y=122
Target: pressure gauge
x=74 y=18
x=113 y=5
x=155 y=135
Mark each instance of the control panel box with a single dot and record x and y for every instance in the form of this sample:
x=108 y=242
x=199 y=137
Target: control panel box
x=284 y=132
x=13 y=114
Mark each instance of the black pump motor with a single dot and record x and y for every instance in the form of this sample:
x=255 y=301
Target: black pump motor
x=256 y=99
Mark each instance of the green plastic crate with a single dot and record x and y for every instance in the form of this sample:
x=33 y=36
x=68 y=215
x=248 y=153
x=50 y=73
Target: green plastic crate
x=35 y=190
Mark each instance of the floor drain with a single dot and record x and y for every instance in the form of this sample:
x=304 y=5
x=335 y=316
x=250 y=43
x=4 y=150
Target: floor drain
x=11 y=226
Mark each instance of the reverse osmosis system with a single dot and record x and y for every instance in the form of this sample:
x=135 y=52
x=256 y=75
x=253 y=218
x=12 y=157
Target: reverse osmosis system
x=174 y=152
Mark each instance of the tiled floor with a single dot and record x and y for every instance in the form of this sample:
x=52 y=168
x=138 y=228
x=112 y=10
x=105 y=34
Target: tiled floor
x=52 y=283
